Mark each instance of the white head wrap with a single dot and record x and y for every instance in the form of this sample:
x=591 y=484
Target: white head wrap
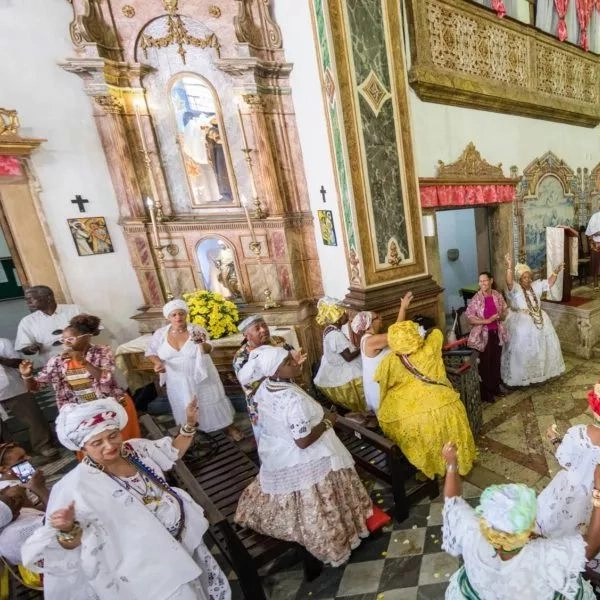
x=9 y=483
x=521 y=269
x=510 y=508
x=362 y=321
x=77 y=423
x=249 y=321
x=262 y=362
x=178 y=304
x=6 y=515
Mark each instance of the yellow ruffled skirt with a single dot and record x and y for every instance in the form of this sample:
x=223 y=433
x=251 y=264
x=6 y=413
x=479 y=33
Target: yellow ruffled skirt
x=420 y=418
x=351 y=395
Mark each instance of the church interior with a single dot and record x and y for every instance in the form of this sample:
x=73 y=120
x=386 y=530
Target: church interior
x=274 y=152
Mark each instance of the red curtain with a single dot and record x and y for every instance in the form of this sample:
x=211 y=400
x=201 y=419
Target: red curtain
x=584 y=14
x=498 y=6
x=561 y=9
x=465 y=195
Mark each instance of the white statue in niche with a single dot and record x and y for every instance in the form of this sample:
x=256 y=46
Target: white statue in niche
x=217 y=263
x=203 y=145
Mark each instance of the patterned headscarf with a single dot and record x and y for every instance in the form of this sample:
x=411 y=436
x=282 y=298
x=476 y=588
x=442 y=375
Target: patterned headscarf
x=362 y=321
x=177 y=304
x=262 y=362
x=404 y=337
x=329 y=311
x=520 y=270
x=77 y=423
x=507 y=515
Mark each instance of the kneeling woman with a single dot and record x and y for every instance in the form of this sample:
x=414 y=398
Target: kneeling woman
x=419 y=408
x=115 y=529
x=307 y=490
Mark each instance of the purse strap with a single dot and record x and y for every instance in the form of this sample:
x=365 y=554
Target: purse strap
x=414 y=371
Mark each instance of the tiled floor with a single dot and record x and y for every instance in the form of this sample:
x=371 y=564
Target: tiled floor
x=406 y=561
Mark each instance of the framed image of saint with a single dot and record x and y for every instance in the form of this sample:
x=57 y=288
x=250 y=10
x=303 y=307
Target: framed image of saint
x=327 y=227
x=90 y=235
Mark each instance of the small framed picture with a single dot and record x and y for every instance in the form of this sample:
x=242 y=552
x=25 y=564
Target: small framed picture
x=327 y=227
x=90 y=236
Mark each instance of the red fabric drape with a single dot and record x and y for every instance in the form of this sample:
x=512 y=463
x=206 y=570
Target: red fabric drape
x=498 y=6
x=561 y=9
x=9 y=165
x=465 y=195
x=584 y=14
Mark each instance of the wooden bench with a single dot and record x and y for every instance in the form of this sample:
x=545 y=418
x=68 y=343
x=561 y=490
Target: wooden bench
x=380 y=457
x=216 y=482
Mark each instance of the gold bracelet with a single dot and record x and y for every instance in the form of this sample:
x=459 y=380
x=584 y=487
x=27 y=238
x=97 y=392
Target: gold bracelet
x=595 y=502
x=596 y=493
x=328 y=424
x=450 y=468
x=71 y=535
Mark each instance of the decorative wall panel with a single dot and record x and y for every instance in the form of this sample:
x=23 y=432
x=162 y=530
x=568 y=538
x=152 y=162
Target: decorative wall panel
x=464 y=55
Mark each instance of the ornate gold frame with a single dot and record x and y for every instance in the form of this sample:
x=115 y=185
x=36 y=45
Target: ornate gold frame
x=374 y=273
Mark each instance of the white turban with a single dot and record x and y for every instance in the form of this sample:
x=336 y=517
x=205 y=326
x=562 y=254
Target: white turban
x=510 y=508
x=362 y=321
x=77 y=423
x=262 y=362
x=6 y=515
x=169 y=307
x=521 y=269
x=249 y=321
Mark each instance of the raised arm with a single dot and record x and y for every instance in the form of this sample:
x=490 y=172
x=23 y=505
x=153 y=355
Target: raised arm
x=404 y=304
x=452 y=483
x=554 y=275
x=186 y=434
x=509 y=272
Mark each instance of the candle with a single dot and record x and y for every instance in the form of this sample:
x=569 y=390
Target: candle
x=139 y=126
x=244 y=203
x=244 y=138
x=150 y=205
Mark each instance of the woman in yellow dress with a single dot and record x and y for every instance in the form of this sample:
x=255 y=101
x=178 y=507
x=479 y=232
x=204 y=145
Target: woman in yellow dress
x=419 y=409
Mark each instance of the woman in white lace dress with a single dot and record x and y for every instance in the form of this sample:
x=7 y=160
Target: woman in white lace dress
x=502 y=558
x=564 y=506
x=533 y=353
x=307 y=490
x=340 y=373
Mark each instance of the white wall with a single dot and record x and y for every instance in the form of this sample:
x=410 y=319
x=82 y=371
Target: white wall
x=294 y=19
x=52 y=104
x=442 y=132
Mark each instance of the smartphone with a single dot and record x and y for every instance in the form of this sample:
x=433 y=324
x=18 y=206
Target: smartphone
x=24 y=470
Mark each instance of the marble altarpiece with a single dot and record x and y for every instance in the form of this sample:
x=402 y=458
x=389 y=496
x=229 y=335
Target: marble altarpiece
x=194 y=109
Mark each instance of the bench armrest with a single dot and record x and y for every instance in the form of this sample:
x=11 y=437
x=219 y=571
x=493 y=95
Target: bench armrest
x=194 y=489
x=377 y=440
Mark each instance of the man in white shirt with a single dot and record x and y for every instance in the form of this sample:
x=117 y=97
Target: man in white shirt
x=21 y=403
x=39 y=333
x=593 y=234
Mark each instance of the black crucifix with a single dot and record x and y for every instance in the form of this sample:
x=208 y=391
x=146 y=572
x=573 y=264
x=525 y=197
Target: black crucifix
x=81 y=202
x=323 y=191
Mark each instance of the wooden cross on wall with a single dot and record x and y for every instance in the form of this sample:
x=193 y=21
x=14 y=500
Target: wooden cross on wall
x=323 y=192
x=81 y=202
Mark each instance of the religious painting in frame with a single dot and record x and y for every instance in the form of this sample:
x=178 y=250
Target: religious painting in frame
x=547 y=196
x=371 y=93
x=327 y=227
x=202 y=142
x=90 y=236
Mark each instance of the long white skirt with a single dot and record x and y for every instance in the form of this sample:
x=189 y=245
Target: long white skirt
x=531 y=355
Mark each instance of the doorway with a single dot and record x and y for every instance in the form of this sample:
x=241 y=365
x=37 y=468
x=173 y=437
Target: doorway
x=464 y=250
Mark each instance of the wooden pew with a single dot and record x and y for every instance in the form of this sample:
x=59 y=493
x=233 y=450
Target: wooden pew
x=216 y=483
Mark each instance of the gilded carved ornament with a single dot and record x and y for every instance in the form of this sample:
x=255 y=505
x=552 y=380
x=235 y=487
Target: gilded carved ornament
x=9 y=122
x=128 y=11
x=177 y=34
x=214 y=11
x=255 y=25
x=374 y=92
x=110 y=103
x=89 y=27
x=470 y=166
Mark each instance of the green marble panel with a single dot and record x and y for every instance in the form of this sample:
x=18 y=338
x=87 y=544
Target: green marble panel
x=369 y=53
x=335 y=126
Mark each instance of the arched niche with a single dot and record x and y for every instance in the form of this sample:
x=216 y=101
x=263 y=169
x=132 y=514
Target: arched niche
x=202 y=141
x=218 y=266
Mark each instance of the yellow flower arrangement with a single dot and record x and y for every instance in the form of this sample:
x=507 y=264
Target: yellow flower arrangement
x=210 y=310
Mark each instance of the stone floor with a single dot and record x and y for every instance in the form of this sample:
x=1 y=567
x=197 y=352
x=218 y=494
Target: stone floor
x=406 y=562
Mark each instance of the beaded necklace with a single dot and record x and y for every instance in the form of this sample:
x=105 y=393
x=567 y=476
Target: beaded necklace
x=148 y=475
x=533 y=308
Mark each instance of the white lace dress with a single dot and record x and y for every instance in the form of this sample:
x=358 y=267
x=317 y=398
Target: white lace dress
x=565 y=503
x=334 y=370
x=541 y=568
x=532 y=354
